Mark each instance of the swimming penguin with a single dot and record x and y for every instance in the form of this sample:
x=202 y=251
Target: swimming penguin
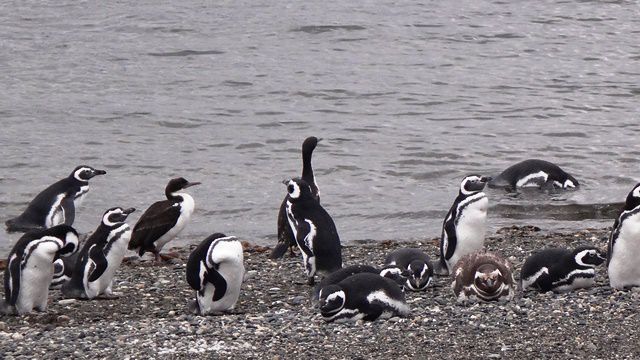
x=56 y=204
x=416 y=262
x=534 y=173
x=465 y=225
x=285 y=234
x=215 y=270
x=30 y=267
x=163 y=220
x=560 y=270
x=100 y=257
x=363 y=296
x=313 y=229
x=483 y=276
x=624 y=244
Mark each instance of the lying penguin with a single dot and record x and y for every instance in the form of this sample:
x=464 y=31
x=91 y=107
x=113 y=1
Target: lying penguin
x=534 y=173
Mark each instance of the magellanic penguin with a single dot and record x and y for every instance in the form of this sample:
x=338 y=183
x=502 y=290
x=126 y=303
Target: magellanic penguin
x=285 y=234
x=215 y=270
x=30 y=267
x=465 y=225
x=100 y=257
x=417 y=264
x=363 y=296
x=624 y=244
x=163 y=220
x=561 y=270
x=483 y=276
x=313 y=229
x=534 y=173
x=56 y=204
x=62 y=270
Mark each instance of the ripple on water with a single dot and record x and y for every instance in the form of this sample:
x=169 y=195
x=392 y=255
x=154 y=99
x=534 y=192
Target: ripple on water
x=319 y=29
x=186 y=53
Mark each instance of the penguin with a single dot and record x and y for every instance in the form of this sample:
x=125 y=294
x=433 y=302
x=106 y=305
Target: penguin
x=534 y=173
x=561 y=270
x=417 y=264
x=30 y=267
x=394 y=273
x=465 y=225
x=62 y=270
x=56 y=204
x=285 y=234
x=215 y=270
x=163 y=220
x=100 y=257
x=481 y=276
x=624 y=244
x=313 y=229
x=362 y=296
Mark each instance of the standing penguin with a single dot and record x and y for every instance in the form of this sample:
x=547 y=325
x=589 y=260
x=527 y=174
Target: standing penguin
x=464 y=227
x=56 y=204
x=100 y=257
x=483 y=276
x=215 y=270
x=534 y=173
x=417 y=264
x=163 y=220
x=560 y=270
x=313 y=229
x=285 y=234
x=624 y=244
x=30 y=267
x=363 y=296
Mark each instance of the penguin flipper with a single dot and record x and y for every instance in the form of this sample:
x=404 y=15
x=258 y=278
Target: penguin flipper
x=285 y=234
x=219 y=283
x=194 y=278
x=12 y=281
x=69 y=210
x=100 y=262
x=304 y=238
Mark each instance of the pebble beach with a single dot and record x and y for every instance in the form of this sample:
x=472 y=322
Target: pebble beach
x=275 y=319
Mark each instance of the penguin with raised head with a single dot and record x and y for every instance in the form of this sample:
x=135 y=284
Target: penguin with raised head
x=363 y=296
x=100 y=257
x=313 y=229
x=465 y=225
x=561 y=270
x=417 y=264
x=624 y=244
x=164 y=219
x=56 y=204
x=30 y=267
x=215 y=270
x=481 y=276
x=285 y=234
x=534 y=173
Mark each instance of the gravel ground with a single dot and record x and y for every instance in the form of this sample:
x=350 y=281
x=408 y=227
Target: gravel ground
x=275 y=320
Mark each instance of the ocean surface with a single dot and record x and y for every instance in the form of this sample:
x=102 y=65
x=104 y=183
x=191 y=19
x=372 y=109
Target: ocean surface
x=408 y=97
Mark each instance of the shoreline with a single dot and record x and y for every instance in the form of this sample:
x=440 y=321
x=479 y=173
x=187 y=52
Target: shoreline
x=274 y=317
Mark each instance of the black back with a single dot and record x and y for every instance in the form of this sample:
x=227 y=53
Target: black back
x=512 y=174
x=196 y=278
x=404 y=256
x=341 y=274
x=559 y=262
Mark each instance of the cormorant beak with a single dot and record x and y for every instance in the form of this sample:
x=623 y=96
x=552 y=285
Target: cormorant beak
x=128 y=211
x=190 y=184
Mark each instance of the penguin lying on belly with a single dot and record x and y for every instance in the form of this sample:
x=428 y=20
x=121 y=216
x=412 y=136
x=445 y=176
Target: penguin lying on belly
x=534 y=173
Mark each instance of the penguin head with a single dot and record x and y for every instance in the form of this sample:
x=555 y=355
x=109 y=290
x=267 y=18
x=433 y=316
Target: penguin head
x=298 y=189
x=570 y=183
x=116 y=215
x=633 y=198
x=396 y=274
x=420 y=274
x=588 y=256
x=310 y=144
x=332 y=299
x=177 y=184
x=84 y=173
x=488 y=279
x=472 y=184
x=68 y=237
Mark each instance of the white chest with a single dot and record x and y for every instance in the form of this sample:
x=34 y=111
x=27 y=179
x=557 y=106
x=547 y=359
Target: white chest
x=624 y=266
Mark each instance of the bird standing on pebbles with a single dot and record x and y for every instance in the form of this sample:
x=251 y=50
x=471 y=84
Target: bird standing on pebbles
x=163 y=220
x=483 y=276
x=624 y=244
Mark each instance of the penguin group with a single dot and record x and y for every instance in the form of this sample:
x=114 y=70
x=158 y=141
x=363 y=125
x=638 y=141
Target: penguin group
x=51 y=255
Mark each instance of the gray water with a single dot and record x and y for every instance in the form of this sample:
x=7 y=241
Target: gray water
x=408 y=98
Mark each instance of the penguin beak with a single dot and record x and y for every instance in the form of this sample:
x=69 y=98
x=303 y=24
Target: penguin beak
x=99 y=172
x=486 y=179
x=128 y=211
x=286 y=182
x=190 y=184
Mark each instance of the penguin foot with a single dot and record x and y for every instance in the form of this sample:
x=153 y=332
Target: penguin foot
x=110 y=296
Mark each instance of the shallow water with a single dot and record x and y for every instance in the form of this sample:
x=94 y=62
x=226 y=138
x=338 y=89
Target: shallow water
x=408 y=97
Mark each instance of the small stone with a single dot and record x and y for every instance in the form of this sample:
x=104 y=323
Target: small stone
x=17 y=336
x=63 y=319
x=66 y=301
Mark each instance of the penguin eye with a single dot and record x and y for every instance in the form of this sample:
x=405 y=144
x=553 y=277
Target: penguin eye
x=290 y=188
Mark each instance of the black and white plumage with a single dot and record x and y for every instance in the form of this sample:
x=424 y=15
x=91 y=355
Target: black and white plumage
x=363 y=296
x=215 y=270
x=62 y=270
x=100 y=257
x=395 y=273
x=534 y=173
x=483 y=276
x=313 y=229
x=624 y=244
x=57 y=203
x=561 y=270
x=464 y=227
x=164 y=219
x=416 y=263
x=285 y=234
x=30 y=267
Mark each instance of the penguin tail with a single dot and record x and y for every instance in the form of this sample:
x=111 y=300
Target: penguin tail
x=279 y=250
x=18 y=225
